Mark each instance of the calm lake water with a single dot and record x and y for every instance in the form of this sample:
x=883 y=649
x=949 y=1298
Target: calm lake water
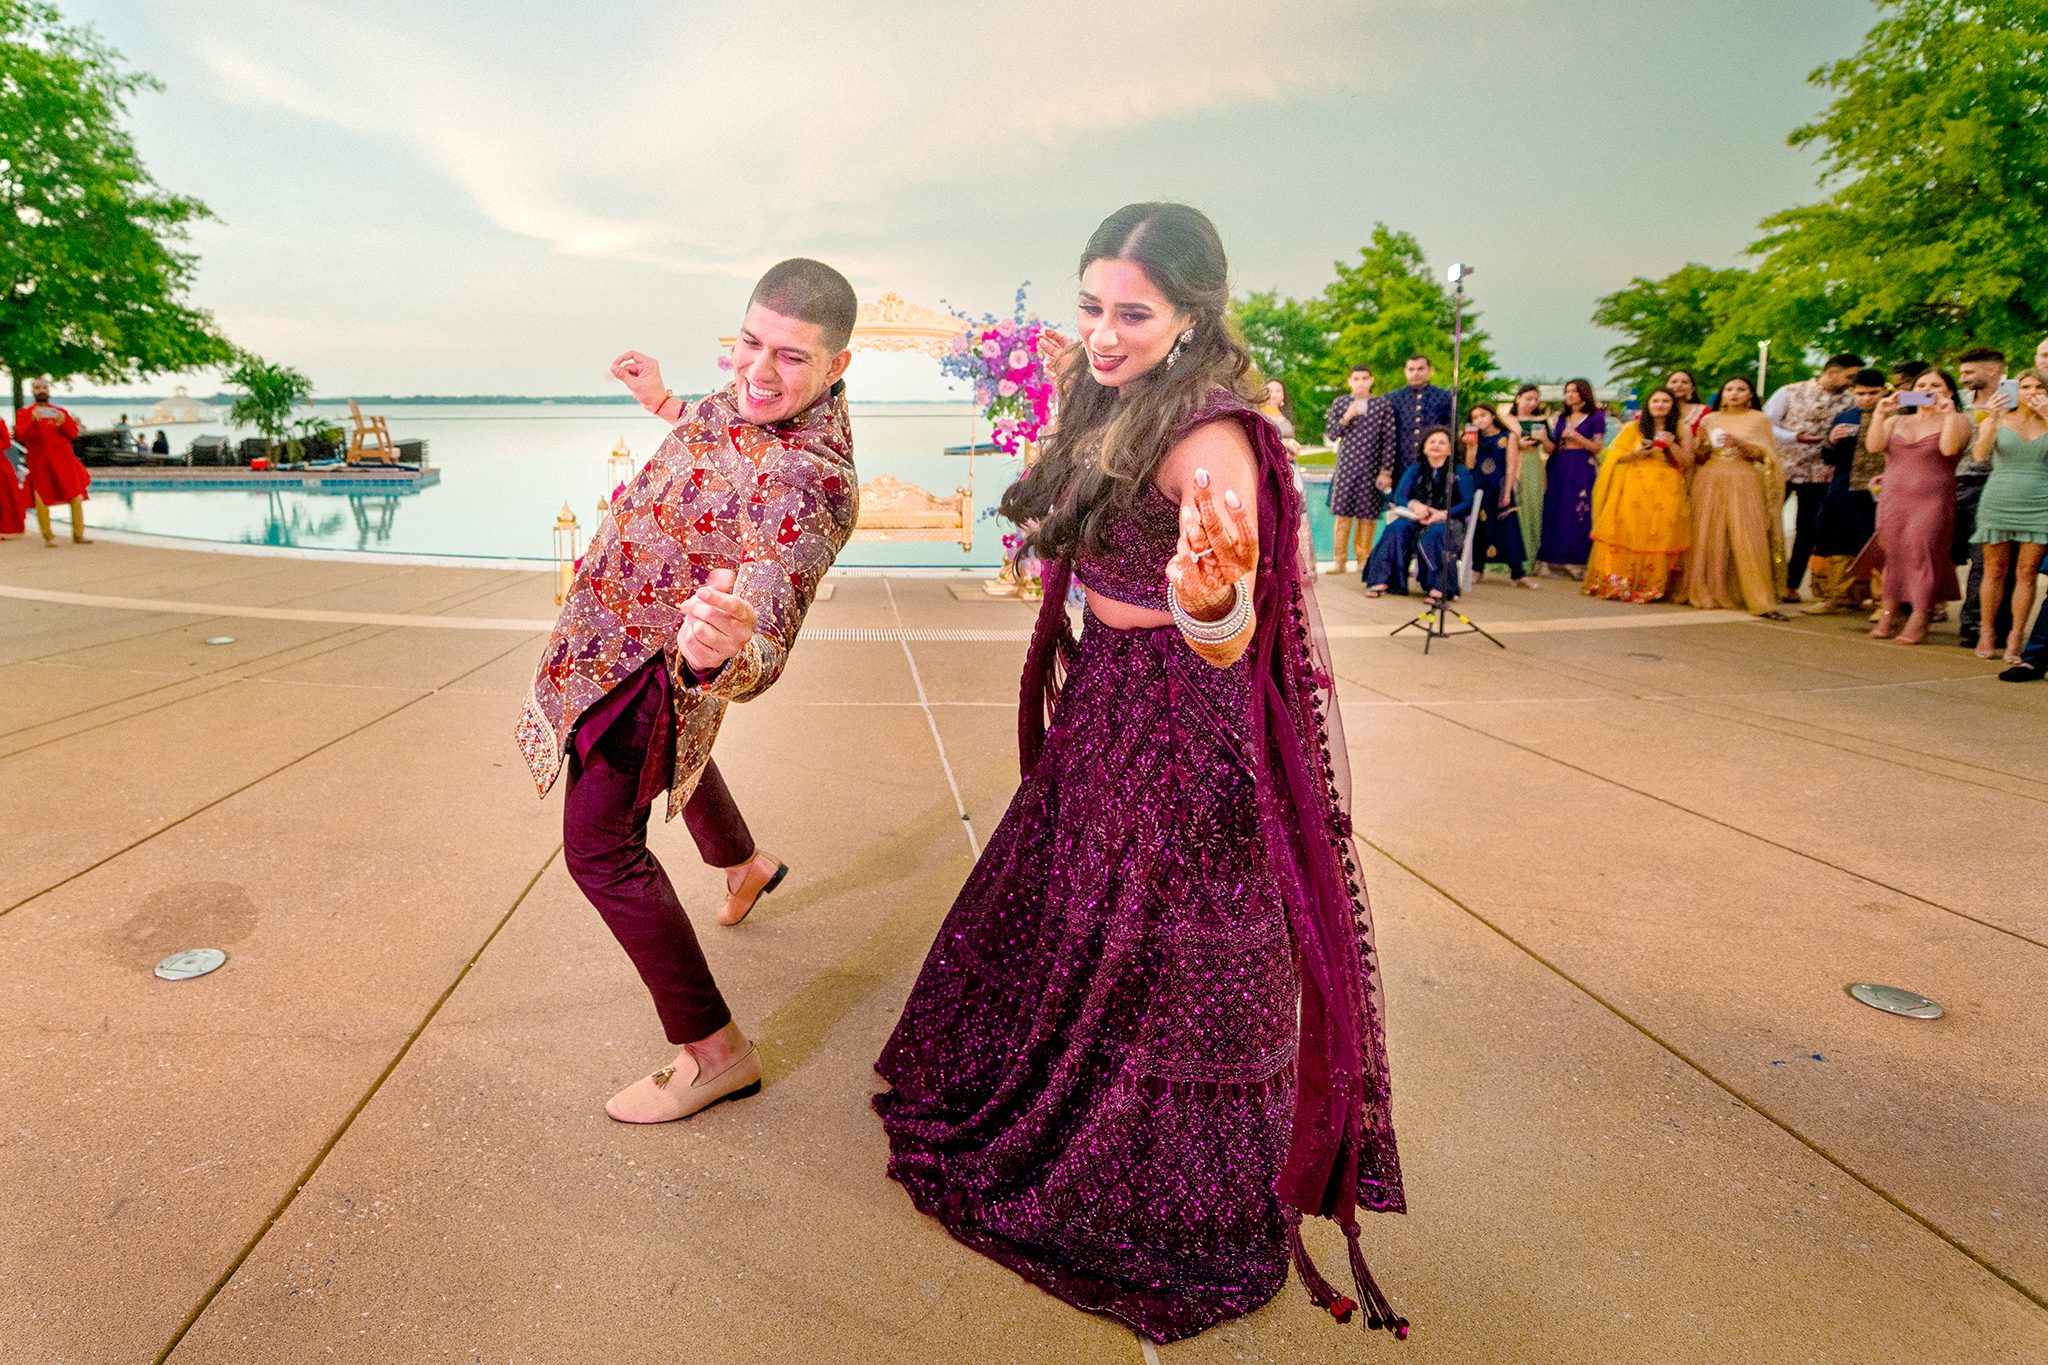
x=506 y=470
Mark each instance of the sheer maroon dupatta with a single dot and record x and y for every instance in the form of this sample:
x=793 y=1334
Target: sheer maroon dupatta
x=1341 y=1156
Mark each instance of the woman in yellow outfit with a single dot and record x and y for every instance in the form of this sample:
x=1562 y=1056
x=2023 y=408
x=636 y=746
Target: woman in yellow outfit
x=1641 y=523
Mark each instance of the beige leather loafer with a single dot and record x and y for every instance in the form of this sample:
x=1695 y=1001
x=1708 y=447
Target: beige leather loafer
x=660 y=1099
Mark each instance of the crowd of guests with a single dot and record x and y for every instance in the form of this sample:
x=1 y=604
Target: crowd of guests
x=1896 y=482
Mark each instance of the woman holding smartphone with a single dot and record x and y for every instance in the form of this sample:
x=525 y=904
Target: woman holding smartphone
x=1738 y=538
x=1576 y=442
x=1640 y=520
x=2012 y=515
x=1921 y=436
x=1491 y=450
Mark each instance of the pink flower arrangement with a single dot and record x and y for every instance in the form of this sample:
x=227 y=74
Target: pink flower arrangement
x=1001 y=359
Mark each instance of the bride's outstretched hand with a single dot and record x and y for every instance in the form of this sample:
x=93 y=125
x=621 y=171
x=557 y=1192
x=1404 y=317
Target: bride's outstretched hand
x=1218 y=546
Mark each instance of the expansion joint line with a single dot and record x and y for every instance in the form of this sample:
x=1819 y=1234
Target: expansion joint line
x=348 y=1121
x=2003 y=1277
x=924 y=702
x=1864 y=877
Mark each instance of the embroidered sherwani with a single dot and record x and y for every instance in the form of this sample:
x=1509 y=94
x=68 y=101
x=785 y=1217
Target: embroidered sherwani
x=774 y=503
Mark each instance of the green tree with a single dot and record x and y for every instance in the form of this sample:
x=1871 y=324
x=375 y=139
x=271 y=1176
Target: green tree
x=92 y=277
x=1935 y=236
x=1389 y=306
x=1288 y=342
x=269 y=393
x=1704 y=320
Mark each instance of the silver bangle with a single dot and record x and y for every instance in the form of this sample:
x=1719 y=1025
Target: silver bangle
x=1217 y=632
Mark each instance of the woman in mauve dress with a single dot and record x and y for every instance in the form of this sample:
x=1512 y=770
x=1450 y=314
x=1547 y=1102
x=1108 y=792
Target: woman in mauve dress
x=1577 y=439
x=1149 y=1036
x=1921 y=440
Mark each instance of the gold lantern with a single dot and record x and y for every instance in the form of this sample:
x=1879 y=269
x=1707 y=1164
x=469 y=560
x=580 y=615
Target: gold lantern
x=618 y=468
x=566 y=529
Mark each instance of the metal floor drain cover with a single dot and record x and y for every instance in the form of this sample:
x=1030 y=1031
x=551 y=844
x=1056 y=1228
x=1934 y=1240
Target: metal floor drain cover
x=221 y=640
x=183 y=966
x=1893 y=1000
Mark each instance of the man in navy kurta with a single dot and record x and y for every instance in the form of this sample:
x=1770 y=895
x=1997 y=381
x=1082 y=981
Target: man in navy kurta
x=1418 y=406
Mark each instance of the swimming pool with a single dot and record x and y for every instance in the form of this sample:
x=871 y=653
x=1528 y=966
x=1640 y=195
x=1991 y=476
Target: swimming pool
x=506 y=471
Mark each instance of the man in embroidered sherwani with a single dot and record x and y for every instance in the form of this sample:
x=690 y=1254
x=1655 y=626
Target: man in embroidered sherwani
x=690 y=598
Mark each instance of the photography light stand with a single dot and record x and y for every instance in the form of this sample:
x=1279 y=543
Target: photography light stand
x=1431 y=619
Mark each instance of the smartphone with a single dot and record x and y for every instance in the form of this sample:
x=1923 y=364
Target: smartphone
x=1915 y=398
x=2011 y=389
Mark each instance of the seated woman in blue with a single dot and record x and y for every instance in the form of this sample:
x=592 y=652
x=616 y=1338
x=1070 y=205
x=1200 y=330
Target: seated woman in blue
x=1430 y=509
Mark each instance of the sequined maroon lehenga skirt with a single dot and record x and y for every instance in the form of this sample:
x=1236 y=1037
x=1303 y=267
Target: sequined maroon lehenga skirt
x=1093 y=1076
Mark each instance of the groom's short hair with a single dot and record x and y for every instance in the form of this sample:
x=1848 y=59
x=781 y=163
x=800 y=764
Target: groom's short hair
x=810 y=291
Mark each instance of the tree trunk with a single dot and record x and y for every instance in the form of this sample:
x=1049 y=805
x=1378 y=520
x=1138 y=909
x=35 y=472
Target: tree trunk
x=19 y=386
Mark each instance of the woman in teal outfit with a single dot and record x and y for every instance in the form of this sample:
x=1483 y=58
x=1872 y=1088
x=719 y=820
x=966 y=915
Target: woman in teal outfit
x=2012 y=515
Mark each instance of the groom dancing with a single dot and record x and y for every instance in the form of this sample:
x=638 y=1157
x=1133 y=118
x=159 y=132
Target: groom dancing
x=689 y=599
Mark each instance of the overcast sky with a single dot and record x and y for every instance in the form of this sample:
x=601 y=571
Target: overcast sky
x=470 y=197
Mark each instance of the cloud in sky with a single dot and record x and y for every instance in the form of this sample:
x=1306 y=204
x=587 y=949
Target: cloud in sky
x=704 y=149
x=479 y=196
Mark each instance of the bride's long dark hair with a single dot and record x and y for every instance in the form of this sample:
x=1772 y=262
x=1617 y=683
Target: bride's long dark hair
x=1107 y=443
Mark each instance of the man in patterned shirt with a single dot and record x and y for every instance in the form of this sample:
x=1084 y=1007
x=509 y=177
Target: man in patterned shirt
x=1802 y=415
x=1362 y=428
x=691 y=598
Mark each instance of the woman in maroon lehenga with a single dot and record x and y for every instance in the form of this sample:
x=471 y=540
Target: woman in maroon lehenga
x=1150 y=1036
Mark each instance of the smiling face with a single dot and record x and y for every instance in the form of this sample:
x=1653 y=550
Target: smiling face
x=1978 y=374
x=1437 y=449
x=780 y=366
x=1127 y=327
x=1417 y=371
x=1660 y=406
x=1483 y=419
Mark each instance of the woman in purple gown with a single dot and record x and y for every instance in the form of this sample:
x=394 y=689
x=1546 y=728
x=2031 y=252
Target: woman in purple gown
x=1149 y=1036
x=1578 y=438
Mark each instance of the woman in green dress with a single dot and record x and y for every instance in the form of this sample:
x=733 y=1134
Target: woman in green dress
x=1529 y=443
x=2012 y=514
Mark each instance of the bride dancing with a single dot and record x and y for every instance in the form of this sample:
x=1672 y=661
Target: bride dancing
x=1150 y=1036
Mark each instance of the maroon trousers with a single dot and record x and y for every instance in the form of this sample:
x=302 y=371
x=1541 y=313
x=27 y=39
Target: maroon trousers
x=621 y=758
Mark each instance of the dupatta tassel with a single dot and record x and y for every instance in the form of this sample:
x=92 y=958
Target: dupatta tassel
x=1378 y=1312
x=1319 y=1290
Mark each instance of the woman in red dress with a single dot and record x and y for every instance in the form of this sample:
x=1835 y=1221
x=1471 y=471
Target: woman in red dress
x=13 y=498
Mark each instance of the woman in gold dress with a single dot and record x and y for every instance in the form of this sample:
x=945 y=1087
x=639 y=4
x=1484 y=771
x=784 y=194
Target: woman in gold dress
x=1640 y=521
x=1737 y=559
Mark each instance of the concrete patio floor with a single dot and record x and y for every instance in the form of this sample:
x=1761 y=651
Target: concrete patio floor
x=1622 y=870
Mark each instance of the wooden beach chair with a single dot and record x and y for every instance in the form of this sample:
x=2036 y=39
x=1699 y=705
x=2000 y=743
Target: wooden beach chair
x=892 y=510
x=369 y=439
